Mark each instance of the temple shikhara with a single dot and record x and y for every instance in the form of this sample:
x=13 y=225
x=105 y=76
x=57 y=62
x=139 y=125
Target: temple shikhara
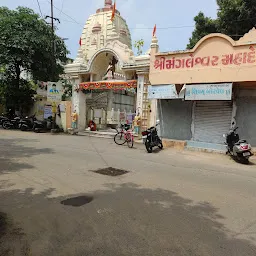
x=109 y=82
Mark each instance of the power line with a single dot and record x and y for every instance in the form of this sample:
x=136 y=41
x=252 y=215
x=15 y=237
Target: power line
x=65 y=14
x=62 y=6
x=148 y=28
x=172 y=27
x=161 y=28
x=70 y=21
x=39 y=8
x=151 y=28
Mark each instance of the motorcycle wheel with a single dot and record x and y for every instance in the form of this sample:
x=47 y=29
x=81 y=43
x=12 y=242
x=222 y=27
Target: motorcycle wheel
x=6 y=125
x=148 y=147
x=243 y=160
x=36 y=130
x=160 y=145
x=23 y=128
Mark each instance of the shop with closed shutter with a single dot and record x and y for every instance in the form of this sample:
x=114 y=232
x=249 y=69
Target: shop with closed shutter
x=209 y=103
x=245 y=117
x=212 y=119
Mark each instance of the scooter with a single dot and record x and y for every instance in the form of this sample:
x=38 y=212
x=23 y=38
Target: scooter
x=151 y=138
x=44 y=126
x=40 y=126
x=11 y=123
x=27 y=123
x=239 y=149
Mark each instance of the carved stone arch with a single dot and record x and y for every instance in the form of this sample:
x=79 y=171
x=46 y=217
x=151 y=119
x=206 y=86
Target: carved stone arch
x=104 y=50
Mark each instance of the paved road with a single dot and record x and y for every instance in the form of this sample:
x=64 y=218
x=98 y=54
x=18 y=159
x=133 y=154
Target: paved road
x=170 y=203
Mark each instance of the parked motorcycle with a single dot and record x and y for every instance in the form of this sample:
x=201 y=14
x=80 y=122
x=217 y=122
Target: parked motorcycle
x=151 y=138
x=239 y=149
x=2 y=119
x=44 y=126
x=13 y=123
x=27 y=123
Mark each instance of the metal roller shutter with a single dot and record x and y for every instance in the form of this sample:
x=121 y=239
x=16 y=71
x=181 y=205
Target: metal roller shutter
x=212 y=119
x=246 y=118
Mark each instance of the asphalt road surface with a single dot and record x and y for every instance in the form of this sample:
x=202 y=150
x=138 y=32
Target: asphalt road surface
x=169 y=203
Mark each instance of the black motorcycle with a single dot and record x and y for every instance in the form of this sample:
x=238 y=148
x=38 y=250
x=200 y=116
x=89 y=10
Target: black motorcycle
x=27 y=123
x=13 y=123
x=3 y=118
x=44 y=126
x=151 y=138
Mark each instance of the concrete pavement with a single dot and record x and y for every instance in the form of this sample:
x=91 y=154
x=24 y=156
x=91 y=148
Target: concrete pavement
x=170 y=202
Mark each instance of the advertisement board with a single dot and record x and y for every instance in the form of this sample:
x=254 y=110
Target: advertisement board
x=54 y=92
x=162 y=92
x=221 y=91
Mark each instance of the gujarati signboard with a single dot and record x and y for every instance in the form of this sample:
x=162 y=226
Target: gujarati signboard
x=216 y=58
x=209 y=91
x=237 y=59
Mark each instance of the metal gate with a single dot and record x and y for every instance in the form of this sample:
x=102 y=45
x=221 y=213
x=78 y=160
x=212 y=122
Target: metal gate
x=212 y=119
x=96 y=103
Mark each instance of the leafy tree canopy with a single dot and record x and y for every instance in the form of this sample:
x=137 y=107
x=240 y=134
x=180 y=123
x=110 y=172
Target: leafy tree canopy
x=26 y=48
x=203 y=26
x=234 y=18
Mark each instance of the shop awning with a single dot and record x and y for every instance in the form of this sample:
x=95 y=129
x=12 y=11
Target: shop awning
x=108 y=85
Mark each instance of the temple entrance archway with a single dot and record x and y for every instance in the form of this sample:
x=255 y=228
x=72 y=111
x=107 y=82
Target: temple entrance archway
x=103 y=61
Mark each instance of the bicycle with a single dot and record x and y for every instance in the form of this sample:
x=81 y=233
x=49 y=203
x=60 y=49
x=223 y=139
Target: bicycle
x=125 y=136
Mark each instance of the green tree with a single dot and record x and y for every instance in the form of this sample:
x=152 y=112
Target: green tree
x=203 y=26
x=139 y=46
x=26 y=49
x=234 y=18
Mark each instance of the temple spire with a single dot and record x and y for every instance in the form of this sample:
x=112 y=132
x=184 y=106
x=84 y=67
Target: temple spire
x=108 y=3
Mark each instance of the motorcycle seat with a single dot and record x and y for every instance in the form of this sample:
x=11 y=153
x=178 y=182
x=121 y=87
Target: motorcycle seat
x=240 y=141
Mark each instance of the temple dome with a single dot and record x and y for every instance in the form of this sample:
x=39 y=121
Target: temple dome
x=99 y=31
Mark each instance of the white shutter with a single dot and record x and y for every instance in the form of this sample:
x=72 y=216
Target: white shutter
x=212 y=119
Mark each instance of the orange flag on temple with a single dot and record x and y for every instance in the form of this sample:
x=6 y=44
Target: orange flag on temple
x=113 y=12
x=80 y=41
x=154 y=30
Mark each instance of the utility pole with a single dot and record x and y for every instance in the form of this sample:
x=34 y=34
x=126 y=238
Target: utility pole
x=53 y=40
x=53 y=61
x=53 y=65
x=53 y=53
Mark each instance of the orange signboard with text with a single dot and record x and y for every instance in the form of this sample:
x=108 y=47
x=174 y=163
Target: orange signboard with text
x=216 y=58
